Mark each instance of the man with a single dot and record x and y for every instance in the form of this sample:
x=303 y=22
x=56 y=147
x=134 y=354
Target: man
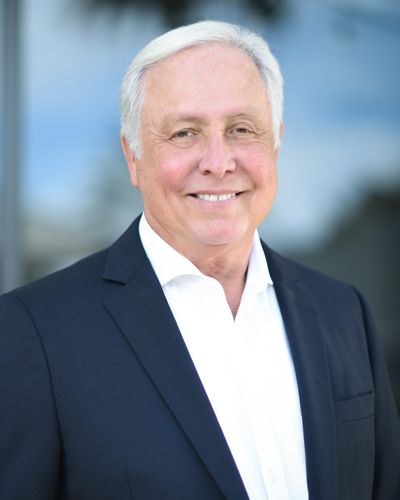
x=188 y=360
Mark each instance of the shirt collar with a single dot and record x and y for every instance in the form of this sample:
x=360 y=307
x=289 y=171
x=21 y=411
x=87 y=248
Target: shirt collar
x=258 y=277
x=168 y=264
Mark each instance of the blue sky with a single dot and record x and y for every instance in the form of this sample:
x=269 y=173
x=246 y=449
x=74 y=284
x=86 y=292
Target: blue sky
x=342 y=107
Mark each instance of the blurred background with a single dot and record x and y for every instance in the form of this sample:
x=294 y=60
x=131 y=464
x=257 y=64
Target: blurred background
x=65 y=189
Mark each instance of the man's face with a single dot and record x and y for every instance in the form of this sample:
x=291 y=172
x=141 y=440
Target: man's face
x=208 y=172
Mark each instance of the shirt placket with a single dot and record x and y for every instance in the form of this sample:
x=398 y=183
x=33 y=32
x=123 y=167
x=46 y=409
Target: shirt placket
x=257 y=409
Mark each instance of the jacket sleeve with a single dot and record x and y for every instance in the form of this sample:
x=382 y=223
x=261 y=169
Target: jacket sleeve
x=30 y=445
x=387 y=425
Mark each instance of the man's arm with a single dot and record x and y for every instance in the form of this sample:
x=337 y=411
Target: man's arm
x=30 y=445
x=387 y=425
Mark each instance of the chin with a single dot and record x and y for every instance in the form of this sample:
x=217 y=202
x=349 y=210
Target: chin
x=221 y=234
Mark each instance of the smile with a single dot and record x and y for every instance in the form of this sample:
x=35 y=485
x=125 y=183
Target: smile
x=215 y=197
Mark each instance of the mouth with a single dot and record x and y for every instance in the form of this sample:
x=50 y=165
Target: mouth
x=215 y=197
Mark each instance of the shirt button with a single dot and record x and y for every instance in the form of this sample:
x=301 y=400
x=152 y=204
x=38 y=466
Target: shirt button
x=273 y=475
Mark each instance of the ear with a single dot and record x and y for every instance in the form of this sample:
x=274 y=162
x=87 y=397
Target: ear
x=280 y=139
x=130 y=159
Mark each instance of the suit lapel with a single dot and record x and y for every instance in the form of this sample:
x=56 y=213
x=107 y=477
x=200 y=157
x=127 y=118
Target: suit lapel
x=305 y=337
x=144 y=317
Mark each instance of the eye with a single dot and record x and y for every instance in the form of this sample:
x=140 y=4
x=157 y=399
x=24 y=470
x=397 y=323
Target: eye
x=241 y=130
x=182 y=134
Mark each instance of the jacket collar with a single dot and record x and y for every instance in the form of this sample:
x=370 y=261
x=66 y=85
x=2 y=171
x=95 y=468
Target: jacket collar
x=125 y=256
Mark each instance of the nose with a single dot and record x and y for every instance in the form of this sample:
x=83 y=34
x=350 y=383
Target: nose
x=217 y=158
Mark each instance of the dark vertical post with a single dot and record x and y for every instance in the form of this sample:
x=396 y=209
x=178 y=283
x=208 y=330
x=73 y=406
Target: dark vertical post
x=11 y=265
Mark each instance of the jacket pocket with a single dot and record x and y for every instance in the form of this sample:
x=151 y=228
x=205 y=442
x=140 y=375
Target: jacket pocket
x=355 y=447
x=349 y=410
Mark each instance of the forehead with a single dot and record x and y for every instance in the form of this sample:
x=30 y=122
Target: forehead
x=210 y=74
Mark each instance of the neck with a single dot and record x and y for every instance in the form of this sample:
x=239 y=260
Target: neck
x=229 y=267
x=227 y=262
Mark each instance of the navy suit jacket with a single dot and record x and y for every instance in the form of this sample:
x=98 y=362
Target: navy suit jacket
x=99 y=398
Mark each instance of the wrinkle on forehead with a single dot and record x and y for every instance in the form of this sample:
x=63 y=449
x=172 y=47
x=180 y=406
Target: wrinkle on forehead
x=204 y=50
x=177 y=117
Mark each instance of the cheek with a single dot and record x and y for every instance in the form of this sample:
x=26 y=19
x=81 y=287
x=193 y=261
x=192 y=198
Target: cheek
x=175 y=170
x=260 y=166
x=269 y=185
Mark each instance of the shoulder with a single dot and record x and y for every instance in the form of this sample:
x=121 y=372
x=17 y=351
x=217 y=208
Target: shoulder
x=332 y=301
x=76 y=292
x=86 y=272
x=62 y=296
x=283 y=268
x=89 y=279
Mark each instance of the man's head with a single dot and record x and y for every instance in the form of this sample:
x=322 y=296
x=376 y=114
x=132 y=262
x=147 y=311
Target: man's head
x=208 y=172
x=133 y=92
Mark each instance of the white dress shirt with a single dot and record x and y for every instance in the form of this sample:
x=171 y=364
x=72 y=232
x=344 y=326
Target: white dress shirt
x=244 y=364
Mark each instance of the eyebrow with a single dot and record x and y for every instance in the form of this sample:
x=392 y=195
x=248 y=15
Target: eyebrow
x=175 y=117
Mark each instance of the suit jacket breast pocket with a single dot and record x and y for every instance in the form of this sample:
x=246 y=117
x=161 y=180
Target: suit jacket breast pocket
x=355 y=446
x=358 y=408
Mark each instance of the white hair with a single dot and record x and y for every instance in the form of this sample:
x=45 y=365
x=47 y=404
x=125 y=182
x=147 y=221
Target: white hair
x=201 y=33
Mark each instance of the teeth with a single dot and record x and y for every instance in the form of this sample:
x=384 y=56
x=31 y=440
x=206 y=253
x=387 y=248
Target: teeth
x=215 y=197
